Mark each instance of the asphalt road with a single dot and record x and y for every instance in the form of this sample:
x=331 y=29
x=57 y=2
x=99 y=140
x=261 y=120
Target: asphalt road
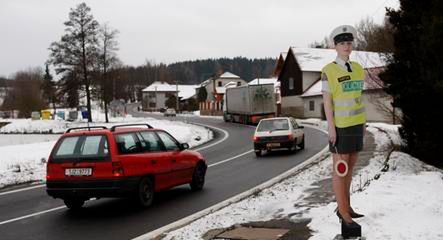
x=31 y=214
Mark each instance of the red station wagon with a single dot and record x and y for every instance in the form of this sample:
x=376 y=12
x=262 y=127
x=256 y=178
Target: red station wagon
x=96 y=162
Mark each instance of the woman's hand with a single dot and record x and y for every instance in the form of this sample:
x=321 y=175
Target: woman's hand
x=332 y=135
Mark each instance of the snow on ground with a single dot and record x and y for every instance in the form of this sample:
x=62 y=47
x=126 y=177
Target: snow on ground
x=21 y=163
x=404 y=203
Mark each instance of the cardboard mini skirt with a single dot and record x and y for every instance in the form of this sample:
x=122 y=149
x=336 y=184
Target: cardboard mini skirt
x=349 y=140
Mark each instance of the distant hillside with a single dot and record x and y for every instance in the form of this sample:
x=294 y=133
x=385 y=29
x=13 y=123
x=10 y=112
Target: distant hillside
x=132 y=79
x=194 y=72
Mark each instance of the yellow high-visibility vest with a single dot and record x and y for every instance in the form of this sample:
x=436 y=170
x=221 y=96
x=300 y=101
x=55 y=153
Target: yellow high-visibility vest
x=346 y=90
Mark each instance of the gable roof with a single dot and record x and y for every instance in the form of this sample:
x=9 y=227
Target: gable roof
x=228 y=75
x=265 y=81
x=184 y=91
x=314 y=59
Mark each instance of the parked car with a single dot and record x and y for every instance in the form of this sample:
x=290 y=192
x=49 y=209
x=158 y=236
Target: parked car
x=170 y=112
x=278 y=133
x=125 y=160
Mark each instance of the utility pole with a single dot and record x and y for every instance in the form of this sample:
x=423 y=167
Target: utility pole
x=155 y=92
x=177 y=103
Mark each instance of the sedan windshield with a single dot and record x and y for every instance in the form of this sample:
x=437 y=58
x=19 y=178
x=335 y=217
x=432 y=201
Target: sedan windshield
x=273 y=125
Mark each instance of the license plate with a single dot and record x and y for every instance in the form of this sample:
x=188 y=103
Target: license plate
x=78 y=171
x=270 y=145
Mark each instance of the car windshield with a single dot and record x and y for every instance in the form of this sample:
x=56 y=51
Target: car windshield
x=273 y=125
x=78 y=148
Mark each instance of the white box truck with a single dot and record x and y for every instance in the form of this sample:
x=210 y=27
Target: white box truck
x=249 y=104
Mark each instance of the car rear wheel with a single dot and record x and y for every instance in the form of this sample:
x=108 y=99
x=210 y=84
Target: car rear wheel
x=293 y=148
x=302 y=144
x=198 y=177
x=145 y=192
x=73 y=203
x=258 y=153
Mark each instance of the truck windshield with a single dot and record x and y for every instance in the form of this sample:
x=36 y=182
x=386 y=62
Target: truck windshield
x=82 y=148
x=273 y=125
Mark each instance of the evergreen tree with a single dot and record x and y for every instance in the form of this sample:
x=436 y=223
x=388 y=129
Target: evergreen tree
x=77 y=51
x=49 y=89
x=171 y=102
x=202 y=94
x=414 y=76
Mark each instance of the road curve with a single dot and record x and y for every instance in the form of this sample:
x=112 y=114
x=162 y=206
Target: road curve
x=23 y=213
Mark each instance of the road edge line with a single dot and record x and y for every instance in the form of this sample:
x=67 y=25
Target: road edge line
x=211 y=144
x=163 y=231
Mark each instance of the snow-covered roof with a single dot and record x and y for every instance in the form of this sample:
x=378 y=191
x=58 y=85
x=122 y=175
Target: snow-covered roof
x=160 y=87
x=314 y=59
x=372 y=81
x=184 y=91
x=274 y=81
x=230 y=84
x=227 y=85
x=265 y=81
x=228 y=75
x=204 y=83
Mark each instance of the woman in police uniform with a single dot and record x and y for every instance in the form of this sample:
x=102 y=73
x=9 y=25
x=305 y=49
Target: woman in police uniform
x=342 y=85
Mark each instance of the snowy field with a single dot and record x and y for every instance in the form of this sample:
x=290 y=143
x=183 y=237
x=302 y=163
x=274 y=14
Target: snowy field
x=404 y=203
x=21 y=155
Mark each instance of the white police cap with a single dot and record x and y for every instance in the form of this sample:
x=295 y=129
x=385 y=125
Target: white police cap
x=343 y=33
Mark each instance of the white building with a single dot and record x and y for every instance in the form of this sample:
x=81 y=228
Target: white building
x=156 y=94
x=215 y=88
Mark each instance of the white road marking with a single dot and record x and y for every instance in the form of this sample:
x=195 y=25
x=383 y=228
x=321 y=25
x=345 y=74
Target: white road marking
x=22 y=189
x=219 y=141
x=230 y=159
x=32 y=215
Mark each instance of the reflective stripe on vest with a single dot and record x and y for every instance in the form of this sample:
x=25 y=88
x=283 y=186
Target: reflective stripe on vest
x=346 y=89
x=347 y=102
x=349 y=113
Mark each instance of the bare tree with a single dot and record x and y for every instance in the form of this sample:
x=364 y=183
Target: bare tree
x=374 y=37
x=322 y=44
x=108 y=57
x=26 y=101
x=77 y=51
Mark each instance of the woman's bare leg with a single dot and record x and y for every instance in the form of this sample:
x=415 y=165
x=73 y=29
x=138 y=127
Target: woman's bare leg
x=352 y=160
x=340 y=188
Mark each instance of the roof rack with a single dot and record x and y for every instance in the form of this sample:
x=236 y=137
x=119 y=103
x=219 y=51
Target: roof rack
x=129 y=125
x=88 y=127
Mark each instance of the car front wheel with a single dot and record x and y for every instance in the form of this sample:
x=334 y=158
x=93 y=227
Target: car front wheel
x=198 y=177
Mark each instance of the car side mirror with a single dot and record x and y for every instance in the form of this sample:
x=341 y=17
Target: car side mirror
x=184 y=146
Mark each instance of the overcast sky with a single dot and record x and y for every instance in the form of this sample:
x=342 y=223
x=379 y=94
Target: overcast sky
x=176 y=30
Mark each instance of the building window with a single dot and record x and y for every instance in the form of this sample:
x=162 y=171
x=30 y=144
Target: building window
x=219 y=83
x=311 y=105
x=291 y=83
x=238 y=83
